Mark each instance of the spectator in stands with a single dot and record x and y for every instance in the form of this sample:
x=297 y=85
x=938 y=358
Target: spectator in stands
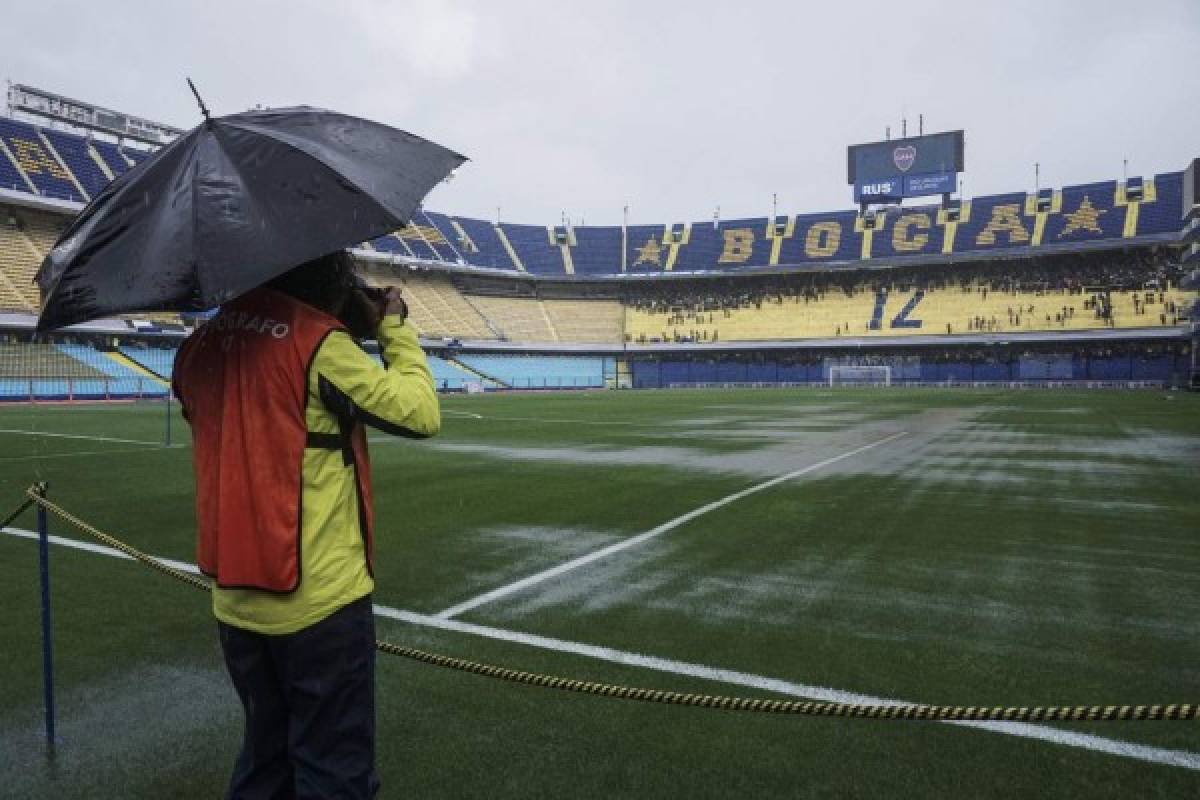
x=276 y=391
x=1073 y=273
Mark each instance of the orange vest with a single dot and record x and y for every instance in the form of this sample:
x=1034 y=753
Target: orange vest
x=243 y=382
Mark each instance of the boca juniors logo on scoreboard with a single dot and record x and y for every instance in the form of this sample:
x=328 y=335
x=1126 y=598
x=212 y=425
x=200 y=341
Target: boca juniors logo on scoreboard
x=914 y=166
x=904 y=157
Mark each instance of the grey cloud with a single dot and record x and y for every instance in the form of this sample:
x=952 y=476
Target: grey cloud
x=670 y=107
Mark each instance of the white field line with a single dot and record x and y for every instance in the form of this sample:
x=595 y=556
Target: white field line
x=99 y=549
x=457 y=413
x=48 y=434
x=640 y=538
x=569 y=421
x=1100 y=744
x=489 y=417
x=78 y=453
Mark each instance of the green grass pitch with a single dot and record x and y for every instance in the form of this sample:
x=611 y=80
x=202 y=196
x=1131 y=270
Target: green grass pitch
x=1010 y=548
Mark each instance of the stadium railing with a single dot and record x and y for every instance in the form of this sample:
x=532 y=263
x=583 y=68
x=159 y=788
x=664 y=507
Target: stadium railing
x=44 y=390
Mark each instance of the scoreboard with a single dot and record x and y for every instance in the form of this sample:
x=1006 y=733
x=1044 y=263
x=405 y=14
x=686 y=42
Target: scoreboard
x=912 y=167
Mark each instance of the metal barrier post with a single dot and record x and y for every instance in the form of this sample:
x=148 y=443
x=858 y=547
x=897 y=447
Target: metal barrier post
x=47 y=627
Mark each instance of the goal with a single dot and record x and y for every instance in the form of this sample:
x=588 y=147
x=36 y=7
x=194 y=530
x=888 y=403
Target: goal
x=860 y=376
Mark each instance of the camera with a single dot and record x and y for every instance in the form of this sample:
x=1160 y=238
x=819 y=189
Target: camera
x=357 y=314
x=376 y=294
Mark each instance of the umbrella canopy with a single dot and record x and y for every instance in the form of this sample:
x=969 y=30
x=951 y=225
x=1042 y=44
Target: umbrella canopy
x=230 y=205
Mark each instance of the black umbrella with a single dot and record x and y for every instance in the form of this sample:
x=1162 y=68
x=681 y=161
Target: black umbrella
x=230 y=205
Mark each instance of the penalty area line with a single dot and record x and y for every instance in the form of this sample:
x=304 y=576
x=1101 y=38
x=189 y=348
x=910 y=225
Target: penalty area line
x=1084 y=741
x=634 y=541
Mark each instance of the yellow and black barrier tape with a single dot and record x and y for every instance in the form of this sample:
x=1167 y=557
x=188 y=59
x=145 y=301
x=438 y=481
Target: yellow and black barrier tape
x=911 y=711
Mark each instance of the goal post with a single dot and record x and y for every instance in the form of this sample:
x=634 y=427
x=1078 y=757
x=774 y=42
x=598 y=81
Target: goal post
x=860 y=376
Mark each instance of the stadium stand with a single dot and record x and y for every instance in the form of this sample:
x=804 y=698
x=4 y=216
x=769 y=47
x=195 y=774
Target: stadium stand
x=445 y=244
x=414 y=239
x=78 y=158
x=481 y=243
x=41 y=360
x=539 y=372
x=440 y=309
x=25 y=238
x=588 y=321
x=1119 y=362
x=160 y=361
x=135 y=155
x=42 y=229
x=390 y=244
x=596 y=250
x=111 y=156
x=534 y=246
x=1048 y=294
x=518 y=319
x=435 y=307
x=1144 y=209
x=448 y=375
x=443 y=228
x=156 y=320
x=1138 y=209
x=67 y=371
x=123 y=380
x=33 y=156
x=10 y=177
x=18 y=264
x=646 y=248
x=421 y=239
x=1100 y=257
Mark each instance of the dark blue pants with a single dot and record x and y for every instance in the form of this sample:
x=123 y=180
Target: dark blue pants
x=309 y=699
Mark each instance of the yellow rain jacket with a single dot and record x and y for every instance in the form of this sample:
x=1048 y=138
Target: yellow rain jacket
x=343 y=382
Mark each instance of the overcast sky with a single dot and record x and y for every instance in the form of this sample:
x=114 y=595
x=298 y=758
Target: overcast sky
x=671 y=108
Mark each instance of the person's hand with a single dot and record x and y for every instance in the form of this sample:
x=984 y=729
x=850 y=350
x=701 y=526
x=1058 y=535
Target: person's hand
x=367 y=307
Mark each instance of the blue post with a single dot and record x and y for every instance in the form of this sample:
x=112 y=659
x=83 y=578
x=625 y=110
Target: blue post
x=47 y=644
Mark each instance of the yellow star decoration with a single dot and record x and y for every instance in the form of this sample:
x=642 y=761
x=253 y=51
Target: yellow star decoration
x=1084 y=218
x=421 y=233
x=35 y=160
x=649 y=253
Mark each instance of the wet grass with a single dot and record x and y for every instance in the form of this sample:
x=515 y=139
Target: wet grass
x=1064 y=568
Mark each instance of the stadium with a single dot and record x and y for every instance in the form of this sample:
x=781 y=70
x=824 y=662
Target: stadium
x=935 y=449
x=1062 y=286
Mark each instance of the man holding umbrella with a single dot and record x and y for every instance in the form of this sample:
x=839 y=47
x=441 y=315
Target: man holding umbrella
x=277 y=392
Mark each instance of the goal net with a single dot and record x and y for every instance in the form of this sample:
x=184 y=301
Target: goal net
x=860 y=376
